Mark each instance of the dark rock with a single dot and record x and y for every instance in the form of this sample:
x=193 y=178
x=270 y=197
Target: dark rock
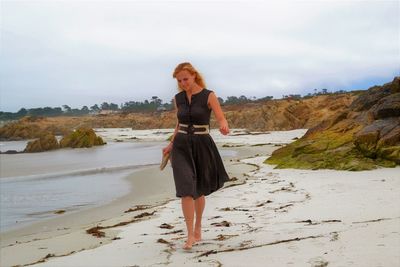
x=390 y=136
x=381 y=134
x=10 y=152
x=366 y=142
x=387 y=107
x=368 y=99
x=44 y=143
x=374 y=94
x=395 y=85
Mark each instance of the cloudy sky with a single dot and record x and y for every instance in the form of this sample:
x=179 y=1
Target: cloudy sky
x=87 y=52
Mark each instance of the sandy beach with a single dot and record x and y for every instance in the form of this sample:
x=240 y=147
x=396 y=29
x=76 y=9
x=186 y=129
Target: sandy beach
x=263 y=217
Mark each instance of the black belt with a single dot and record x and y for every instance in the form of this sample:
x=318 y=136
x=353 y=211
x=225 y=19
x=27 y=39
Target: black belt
x=194 y=128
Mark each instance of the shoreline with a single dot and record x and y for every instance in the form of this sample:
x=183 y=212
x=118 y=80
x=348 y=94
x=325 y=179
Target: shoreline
x=286 y=217
x=35 y=226
x=71 y=226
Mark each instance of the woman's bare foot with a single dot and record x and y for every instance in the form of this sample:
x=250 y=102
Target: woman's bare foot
x=197 y=234
x=189 y=243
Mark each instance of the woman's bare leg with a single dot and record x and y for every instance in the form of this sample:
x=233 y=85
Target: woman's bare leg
x=199 y=204
x=188 y=213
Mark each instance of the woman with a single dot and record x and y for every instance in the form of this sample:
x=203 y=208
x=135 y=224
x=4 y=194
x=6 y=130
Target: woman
x=197 y=166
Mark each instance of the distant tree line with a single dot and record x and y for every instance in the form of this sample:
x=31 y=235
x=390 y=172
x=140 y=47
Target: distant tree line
x=323 y=91
x=155 y=104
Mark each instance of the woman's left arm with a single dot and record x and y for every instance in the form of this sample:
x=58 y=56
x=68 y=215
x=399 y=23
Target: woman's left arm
x=219 y=114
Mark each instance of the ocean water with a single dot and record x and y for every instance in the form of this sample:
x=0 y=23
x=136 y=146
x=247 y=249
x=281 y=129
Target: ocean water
x=35 y=185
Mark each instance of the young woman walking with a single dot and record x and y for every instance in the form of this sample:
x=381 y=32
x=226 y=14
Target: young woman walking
x=197 y=165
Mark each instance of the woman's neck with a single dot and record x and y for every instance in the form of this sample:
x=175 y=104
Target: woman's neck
x=194 y=90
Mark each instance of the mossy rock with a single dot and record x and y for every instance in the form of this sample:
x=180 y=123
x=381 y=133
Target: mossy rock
x=81 y=137
x=343 y=158
x=44 y=143
x=390 y=153
x=310 y=148
x=391 y=137
x=366 y=143
x=329 y=150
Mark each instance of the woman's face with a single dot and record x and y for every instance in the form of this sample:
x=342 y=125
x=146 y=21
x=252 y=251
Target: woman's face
x=185 y=79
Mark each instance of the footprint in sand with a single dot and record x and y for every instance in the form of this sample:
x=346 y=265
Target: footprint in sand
x=318 y=262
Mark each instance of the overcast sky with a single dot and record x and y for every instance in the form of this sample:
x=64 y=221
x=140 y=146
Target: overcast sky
x=87 y=52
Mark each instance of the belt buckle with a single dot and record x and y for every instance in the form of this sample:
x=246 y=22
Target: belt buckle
x=190 y=129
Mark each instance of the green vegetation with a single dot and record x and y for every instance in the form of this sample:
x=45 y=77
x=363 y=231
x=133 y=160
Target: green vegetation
x=326 y=150
x=155 y=104
x=81 y=137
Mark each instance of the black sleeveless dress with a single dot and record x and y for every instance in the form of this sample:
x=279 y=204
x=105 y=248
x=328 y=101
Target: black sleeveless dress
x=196 y=163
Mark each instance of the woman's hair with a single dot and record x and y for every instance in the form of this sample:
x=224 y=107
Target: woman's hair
x=188 y=67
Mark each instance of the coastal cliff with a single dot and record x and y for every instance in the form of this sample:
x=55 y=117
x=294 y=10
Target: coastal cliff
x=361 y=137
x=285 y=114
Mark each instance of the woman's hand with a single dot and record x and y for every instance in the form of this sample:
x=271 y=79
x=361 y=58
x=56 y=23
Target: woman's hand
x=167 y=149
x=223 y=127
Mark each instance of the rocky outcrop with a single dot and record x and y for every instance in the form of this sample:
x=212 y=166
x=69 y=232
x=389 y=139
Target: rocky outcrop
x=286 y=114
x=380 y=139
x=31 y=127
x=46 y=142
x=20 y=131
x=81 y=137
x=364 y=136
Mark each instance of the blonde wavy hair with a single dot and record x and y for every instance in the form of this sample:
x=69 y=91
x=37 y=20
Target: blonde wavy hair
x=188 y=67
